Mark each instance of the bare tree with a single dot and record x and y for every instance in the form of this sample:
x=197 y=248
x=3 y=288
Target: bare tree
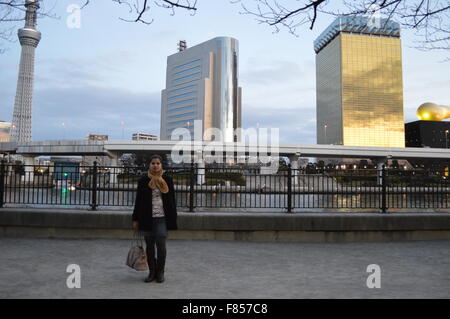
x=140 y=8
x=13 y=11
x=10 y=12
x=430 y=19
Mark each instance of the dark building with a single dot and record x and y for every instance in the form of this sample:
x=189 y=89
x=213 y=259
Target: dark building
x=434 y=134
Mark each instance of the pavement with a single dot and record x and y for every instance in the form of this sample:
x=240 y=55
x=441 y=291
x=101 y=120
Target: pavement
x=36 y=268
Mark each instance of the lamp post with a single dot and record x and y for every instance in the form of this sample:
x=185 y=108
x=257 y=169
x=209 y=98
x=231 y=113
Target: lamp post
x=257 y=141
x=64 y=130
x=13 y=127
x=325 y=128
x=188 y=126
x=191 y=151
x=446 y=138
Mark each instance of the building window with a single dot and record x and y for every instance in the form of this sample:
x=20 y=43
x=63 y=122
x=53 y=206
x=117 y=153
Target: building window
x=181 y=102
x=186 y=88
x=177 y=116
x=181 y=66
x=183 y=108
x=181 y=95
x=196 y=68
x=179 y=122
x=190 y=77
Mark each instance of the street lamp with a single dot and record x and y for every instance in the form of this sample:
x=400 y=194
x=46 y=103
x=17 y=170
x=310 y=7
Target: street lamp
x=191 y=151
x=446 y=138
x=64 y=130
x=12 y=132
x=325 y=128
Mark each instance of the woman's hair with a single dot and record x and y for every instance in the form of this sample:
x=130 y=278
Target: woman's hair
x=153 y=157
x=156 y=156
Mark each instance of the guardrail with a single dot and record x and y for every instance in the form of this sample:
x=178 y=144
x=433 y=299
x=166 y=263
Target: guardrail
x=240 y=187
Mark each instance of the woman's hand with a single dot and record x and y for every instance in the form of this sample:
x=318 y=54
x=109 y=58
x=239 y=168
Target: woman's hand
x=135 y=225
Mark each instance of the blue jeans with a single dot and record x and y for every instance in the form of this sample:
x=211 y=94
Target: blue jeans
x=156 y=242
x=159 y=228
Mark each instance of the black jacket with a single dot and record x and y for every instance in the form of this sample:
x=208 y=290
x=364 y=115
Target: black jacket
x=143 y=205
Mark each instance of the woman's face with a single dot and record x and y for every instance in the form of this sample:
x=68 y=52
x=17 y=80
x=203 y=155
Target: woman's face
x=155 y=165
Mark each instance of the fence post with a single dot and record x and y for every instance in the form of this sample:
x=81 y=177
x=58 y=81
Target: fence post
x=383 y=189
x=289 y=190
x=191 y=187
x=2 y=182
x=94 y=187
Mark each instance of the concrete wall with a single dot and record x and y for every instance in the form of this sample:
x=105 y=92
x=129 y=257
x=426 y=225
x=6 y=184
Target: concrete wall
x=302 y=227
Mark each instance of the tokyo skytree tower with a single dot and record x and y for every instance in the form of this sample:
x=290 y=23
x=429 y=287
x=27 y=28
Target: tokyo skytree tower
x=29 y=38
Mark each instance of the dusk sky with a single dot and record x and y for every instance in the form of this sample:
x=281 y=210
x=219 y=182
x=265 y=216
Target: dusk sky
x=109 y=71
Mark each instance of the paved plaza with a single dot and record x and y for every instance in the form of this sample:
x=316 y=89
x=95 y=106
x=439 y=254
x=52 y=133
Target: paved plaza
x=36 y=268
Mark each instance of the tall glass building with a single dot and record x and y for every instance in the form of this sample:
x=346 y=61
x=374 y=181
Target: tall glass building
x=202 y=84
x=359 y=83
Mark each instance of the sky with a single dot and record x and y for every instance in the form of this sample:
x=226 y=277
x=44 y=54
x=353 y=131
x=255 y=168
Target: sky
x=106 y=77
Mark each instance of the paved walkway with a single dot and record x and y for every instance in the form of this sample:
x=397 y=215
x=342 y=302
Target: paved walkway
x=36 y=268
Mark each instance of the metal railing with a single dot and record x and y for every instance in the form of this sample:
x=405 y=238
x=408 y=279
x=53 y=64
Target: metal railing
x=286 y=189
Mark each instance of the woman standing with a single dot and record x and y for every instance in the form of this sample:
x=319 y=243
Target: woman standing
x=155 y=212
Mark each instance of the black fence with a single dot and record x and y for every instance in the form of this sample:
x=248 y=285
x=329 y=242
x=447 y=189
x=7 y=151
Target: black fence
x=284 y=189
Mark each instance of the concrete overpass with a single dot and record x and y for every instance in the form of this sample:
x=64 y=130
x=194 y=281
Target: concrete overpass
x=114 y=149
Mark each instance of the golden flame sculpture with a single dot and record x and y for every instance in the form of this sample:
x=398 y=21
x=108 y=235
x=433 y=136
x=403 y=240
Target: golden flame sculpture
x=433 y=112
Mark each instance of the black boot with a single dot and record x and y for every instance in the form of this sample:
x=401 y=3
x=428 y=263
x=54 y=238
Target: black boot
x=152 y=270
x=160 y=270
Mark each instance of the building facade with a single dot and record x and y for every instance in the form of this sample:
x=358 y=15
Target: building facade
x=434 y=134
x=202 y=84
x=97 y=137
x=144 y=137
x=359 y=84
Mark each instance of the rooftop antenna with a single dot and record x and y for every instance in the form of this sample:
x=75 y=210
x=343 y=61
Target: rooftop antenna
x=182 y=45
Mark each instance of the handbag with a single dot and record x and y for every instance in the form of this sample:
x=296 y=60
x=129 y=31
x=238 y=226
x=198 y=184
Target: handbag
x=137 y=258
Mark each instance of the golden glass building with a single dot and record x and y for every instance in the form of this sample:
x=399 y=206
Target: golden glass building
x=359 y=84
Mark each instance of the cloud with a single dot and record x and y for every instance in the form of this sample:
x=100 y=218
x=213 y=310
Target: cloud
x=296 y=126
x=102 y=70
x=278 y=84
x=270 y=71
x=93 y=110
